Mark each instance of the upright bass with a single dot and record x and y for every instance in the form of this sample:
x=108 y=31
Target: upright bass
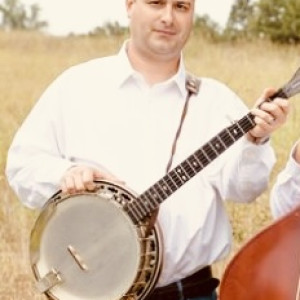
x=268 y=266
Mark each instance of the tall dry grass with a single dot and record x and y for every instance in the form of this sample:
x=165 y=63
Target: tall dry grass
x=29 y=62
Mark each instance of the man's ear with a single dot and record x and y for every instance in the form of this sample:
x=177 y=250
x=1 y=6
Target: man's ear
x=129 y=4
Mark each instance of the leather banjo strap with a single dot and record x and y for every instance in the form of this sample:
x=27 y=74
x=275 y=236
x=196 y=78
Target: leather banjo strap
x=192 y=85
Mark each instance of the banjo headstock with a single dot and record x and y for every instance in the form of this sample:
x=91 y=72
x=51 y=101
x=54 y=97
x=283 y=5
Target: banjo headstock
x=290 y=89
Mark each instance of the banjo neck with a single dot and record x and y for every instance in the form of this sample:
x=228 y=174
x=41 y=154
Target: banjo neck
x=149 y=201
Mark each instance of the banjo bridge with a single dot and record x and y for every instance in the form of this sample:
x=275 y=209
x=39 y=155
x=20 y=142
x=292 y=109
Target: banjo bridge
x=78 y=259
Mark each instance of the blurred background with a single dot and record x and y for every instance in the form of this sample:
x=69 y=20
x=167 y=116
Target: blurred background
x=251 y=45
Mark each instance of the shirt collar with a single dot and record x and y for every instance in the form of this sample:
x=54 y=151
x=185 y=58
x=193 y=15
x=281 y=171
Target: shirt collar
x=125 y=71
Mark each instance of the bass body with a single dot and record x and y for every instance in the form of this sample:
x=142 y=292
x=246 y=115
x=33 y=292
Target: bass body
x=268 y=265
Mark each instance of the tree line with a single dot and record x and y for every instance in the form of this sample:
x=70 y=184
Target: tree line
x=276 y=20
x=14 y=15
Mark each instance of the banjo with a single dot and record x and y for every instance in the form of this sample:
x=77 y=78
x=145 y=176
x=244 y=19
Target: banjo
x=96 y=245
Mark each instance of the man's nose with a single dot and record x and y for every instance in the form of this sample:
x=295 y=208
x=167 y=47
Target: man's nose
x=167 y=14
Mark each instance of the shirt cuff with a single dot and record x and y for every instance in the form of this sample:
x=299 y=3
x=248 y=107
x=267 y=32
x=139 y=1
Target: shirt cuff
x=257 y=140
x=249 y=143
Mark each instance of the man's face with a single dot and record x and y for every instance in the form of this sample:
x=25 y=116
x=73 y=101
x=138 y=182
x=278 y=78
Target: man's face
x=160 y=27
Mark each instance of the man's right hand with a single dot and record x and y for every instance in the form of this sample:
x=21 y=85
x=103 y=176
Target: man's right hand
x=82 y=178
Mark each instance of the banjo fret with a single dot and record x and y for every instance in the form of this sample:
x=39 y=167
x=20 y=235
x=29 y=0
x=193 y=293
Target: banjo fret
x=156 y=195
x=144 y=206
x=166 y=185
x=204 y=154
x=182 y=173
x=170 y=182
x=188 y=166
x=161 y=190
x=196 y=163
x=132 y=213
x=176 y=178
x=146 y=202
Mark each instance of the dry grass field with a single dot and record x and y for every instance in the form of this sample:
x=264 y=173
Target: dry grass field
x=29 y=62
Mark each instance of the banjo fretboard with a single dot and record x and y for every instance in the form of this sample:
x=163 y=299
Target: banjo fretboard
x=149 y=200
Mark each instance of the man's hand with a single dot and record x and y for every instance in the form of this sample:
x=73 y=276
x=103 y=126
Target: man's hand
x=268 y=115
x=81 y=178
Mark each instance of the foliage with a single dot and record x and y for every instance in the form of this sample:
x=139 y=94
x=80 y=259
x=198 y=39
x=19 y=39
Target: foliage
x=239 y=20
x=109 y=29
x=207 y=28
x=15 y=16
x=277 y=20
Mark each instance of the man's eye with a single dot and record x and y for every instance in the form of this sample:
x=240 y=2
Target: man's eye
x=182 y=6
x=155 y=3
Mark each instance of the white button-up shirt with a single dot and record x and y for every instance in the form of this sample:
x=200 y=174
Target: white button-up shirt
x=103 y=113
x=285 y=194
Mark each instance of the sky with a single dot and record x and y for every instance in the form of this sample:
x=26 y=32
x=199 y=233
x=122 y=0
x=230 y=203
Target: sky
x=82 y=16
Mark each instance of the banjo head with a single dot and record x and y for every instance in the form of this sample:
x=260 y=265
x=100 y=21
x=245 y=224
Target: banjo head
x=85 y=247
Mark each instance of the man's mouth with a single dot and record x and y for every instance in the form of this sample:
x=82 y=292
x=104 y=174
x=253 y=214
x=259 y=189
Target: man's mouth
x=165 y=32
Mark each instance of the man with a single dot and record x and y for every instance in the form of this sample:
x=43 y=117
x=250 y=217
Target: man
x=116 y=118
x=285 y=194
